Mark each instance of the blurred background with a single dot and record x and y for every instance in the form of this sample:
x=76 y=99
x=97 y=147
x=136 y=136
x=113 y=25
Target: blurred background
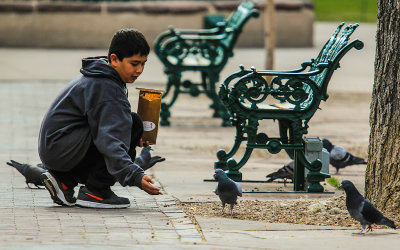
x=91 y=23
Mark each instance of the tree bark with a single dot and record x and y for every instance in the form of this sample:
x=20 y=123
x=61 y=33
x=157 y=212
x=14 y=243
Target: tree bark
x=382 y=180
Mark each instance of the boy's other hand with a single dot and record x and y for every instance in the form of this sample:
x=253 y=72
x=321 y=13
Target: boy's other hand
x=144 y=143
x=148 y=187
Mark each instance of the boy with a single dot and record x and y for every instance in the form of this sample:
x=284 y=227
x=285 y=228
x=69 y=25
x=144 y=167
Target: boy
x=89 y=134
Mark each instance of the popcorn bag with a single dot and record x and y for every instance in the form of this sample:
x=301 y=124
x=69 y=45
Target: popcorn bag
x=149 y=110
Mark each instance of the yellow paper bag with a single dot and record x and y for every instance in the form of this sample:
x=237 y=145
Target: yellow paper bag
x=149 y=106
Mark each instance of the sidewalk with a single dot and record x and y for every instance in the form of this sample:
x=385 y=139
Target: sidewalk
x=30 y=79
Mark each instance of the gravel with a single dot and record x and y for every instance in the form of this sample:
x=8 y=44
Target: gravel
x=322 y=212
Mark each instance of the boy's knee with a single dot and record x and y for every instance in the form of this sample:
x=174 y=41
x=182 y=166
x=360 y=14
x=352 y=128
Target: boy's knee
x=137 y=122
x=137 y=129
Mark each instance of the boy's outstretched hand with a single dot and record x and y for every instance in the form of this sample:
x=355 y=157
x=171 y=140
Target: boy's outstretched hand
x=148 y=187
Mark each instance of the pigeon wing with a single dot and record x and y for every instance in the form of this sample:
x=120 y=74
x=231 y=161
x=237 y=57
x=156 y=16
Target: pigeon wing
x=41 y=165
x=33 y=175
x=216 y=190
x=337 y=153
x=285 y=172
x=371 y=213
x=238 y=189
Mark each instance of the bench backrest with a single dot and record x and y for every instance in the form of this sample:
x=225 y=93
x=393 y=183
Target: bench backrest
x=236 y=21
x=334 y=49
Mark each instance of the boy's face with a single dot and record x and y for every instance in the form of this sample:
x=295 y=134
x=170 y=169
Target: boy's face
x=130 y=68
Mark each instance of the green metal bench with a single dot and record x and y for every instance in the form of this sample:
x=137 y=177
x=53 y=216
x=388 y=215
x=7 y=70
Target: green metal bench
x=289 y=97
x=205 y=51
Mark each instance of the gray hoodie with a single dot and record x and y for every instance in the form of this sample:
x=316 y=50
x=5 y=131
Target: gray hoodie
x=93 y=107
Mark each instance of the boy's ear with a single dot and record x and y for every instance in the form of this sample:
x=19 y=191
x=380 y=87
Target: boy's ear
x=114 y=60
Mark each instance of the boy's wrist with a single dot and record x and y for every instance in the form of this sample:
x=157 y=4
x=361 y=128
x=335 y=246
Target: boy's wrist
x=138 y=180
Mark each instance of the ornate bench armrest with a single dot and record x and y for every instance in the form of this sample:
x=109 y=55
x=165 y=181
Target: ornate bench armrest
x=251 y=90
x=290 y=73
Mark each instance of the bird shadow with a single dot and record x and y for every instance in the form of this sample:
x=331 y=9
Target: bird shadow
x=374 y=234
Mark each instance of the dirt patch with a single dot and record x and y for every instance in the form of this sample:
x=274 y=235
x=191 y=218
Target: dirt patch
x=321 y=212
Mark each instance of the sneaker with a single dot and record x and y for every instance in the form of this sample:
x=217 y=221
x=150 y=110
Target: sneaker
x=86 y=198
x=59 y=192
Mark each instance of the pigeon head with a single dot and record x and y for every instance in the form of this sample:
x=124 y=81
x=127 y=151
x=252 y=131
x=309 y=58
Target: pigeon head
x=220 y=174
x=327 y=144
x=348 y=187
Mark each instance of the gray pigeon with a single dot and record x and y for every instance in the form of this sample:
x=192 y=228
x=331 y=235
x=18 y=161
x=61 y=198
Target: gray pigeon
x=227 y=189
x=362 y=210
x=285 y=173
x=339 y=157
x=30 y=172
x=145 y=160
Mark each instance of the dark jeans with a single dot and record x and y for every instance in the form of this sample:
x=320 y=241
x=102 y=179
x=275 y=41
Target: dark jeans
x=92 y=170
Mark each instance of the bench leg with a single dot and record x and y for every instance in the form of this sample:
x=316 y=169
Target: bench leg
x=231 y=164
x=223 y=156
x=298 y=178
x=283 y=133
x=173 y=80
x=219 y=108
x=233 y=167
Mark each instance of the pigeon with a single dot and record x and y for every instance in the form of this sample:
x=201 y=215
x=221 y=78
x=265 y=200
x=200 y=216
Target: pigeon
x=145 y=160
x=31 y=173
x=227 y=189
x=339 y=157
x=362 y=210
x=285 y=173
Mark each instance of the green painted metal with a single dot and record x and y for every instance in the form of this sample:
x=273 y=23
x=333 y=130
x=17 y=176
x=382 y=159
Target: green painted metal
x=204 y=51
x=289 y=97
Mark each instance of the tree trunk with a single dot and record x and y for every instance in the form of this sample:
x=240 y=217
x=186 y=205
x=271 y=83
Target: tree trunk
x=382 y=181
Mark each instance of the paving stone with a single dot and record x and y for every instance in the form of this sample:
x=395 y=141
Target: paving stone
x=30 y=215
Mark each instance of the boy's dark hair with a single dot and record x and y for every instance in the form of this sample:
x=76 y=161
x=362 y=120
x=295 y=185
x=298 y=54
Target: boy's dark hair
x=128 y=42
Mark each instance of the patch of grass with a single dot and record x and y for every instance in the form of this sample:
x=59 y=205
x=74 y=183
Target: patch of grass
x=333 y=182
x=346 y=10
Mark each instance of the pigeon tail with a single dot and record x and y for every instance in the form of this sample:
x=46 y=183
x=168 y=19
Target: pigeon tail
x=145 y=160
x=357 y=160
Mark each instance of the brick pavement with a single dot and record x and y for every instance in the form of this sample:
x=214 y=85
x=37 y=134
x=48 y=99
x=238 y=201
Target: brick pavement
x=28 y=217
